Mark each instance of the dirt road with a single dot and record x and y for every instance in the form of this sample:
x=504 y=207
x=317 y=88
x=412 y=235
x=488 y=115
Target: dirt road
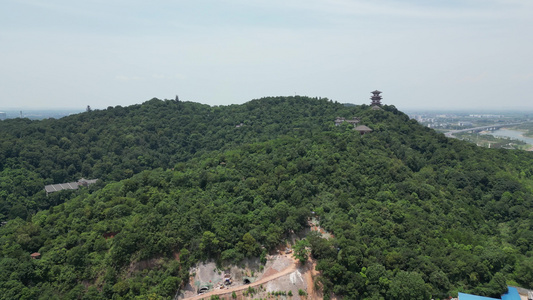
x=284 y=272
x=309 y=274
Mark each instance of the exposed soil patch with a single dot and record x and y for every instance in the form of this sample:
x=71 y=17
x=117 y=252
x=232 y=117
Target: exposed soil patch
x=314 y=225
x=270 y=272
x=143 y=264
x=282 y=274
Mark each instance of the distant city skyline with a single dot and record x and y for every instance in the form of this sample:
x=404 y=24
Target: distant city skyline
x=455 y=55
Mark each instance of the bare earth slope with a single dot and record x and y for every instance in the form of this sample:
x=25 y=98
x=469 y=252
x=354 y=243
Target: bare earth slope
x=292 y=277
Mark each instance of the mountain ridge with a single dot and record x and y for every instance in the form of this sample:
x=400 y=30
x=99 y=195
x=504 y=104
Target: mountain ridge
x=407 y=206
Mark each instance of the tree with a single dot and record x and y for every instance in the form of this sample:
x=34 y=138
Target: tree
x=210 y=243
x=497 y=286
x=524 y=272
x=301 y=250
x=169 y=286
x=248 y=245
x=408 y=286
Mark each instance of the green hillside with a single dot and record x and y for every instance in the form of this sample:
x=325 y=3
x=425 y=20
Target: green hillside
x=415 y=215
x=115 y=143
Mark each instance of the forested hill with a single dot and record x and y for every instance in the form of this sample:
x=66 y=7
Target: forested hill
x=117 y=142
x=415 y=215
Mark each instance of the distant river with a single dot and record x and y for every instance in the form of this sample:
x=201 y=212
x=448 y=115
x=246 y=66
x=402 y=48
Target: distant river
x=517 y=135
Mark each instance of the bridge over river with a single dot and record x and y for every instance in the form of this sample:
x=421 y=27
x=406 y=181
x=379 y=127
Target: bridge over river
x=481 y=128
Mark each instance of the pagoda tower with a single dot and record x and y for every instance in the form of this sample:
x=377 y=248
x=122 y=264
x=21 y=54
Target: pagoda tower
x=376 y=98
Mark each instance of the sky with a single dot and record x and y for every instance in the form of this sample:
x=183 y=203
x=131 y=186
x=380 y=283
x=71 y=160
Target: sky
x=427 y=54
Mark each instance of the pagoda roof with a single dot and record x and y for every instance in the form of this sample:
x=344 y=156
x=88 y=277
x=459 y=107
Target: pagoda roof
x=363 y=128
x=376 y=92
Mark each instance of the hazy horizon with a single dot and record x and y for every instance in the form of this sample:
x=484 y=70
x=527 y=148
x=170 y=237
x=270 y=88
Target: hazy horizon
x=423 y=55
x=32 y=110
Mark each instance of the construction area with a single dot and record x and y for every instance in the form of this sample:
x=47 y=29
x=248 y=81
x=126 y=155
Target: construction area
x=282 y=275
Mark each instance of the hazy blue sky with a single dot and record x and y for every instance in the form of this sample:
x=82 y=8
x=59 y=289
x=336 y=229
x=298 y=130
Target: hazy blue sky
x=420 y=53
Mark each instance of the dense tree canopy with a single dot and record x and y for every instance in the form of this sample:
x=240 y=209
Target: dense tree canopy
x=415 y=215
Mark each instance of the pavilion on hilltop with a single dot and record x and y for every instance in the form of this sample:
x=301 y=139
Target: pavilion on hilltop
x=376 y=100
